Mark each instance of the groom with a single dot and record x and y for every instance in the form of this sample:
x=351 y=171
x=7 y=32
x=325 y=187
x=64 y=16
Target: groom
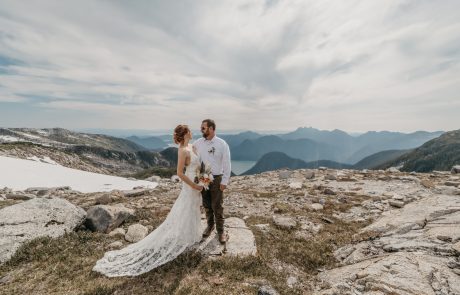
x=215 y=151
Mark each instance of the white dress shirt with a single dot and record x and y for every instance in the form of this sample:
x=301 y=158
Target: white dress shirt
x=216 y=153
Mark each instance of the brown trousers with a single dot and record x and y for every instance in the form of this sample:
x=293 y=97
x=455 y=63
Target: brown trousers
x=212 y=203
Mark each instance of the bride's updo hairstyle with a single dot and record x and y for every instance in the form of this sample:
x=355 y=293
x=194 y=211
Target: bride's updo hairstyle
x=179 y=133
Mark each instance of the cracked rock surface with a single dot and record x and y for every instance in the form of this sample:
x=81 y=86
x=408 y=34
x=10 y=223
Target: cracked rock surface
x=35 y=218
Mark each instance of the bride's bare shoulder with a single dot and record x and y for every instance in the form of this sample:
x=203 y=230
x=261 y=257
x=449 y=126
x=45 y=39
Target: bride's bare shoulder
x=183 y=150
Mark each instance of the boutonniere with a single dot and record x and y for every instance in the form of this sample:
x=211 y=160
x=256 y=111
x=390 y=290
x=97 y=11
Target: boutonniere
x=212 y=150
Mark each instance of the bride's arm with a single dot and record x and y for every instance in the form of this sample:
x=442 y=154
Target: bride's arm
x=181 y=157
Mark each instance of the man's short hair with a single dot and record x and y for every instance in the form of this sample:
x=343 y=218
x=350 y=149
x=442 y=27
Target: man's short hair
x=210 y=123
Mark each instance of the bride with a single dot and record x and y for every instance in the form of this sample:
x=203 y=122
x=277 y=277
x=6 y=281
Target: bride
x=180 y=231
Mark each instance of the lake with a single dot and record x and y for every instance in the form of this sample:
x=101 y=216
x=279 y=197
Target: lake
x=239 y=167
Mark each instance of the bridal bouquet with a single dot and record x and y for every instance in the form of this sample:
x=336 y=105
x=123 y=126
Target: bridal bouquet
x=204 y=176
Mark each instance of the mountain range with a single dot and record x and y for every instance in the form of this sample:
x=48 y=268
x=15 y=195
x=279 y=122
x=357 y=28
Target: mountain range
x=310 y=144
x=440 y=153
x=437 y=154
x=151 y=142
x=278 y=160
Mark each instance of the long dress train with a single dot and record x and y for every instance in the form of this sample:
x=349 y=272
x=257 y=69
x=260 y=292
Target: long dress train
x=180 y=230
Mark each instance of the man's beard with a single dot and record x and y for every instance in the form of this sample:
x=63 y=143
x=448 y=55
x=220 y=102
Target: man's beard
x=205 y=135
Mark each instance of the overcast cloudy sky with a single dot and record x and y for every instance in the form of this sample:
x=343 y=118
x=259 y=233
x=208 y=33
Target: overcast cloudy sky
x=259 y=65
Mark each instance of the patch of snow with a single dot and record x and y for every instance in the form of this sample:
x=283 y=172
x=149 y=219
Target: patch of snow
x=8 y=138
x=29 y=135
x=49 y=161
x=42 y=132
x=20 y=174
x=43 y=160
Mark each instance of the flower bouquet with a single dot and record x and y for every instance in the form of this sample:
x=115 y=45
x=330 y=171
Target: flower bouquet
x=204 y=176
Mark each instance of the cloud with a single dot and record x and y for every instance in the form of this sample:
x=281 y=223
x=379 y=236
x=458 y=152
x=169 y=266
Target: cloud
x=263 y=64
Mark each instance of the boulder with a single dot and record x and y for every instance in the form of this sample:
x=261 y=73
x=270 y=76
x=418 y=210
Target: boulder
x=285 y=174
x=136 y=232
x=398 y=273
x=309 y=174
x=117 y=232
x=267 y=290
x=38 y=217
x=104 y=199
x=154 y=178
x=396 y=203
x=455 y=169
x=456 y=247
x=135 y=193
x=295 y=185
x=393 y=170
x=241 y=241
x=316 y=206
x=115 y=245
x=104 y=218
x=328 y=191
x=284 y=222
x=330 y=177
x=427 y=183
x=19 y=196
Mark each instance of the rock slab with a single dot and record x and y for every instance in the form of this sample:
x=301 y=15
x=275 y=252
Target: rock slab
x=241 y=241
x=39 y=217
x=103 y=218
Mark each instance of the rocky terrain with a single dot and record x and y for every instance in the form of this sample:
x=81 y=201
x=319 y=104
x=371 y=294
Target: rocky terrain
x=307 y=231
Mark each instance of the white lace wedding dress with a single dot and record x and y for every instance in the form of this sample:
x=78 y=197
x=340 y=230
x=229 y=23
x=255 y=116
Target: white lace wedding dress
x=180 y=231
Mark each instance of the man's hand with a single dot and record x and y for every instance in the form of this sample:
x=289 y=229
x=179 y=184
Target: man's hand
x=223 y=187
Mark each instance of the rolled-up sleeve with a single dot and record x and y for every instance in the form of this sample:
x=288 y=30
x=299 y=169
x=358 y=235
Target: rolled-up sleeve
x=226 y=164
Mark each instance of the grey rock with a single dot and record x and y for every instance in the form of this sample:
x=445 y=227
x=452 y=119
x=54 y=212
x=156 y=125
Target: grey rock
x=316 y=206
x=456 y=247
x=115 y=245
x=284 y=222
x=309 y=174
x=241 y=241
x=104 y=218
x=135 y=193
x=284 y=174
x=395 y=203
x=295 y=185
x=329 y=191
x=136 y=232
x=446 y=190
x=154 y=178
x=267 y=290
x=117 y=232
x=103 y=200
x=19 y=196
x=455 y=169
x=330 y=177
x=452 y=183
x=400 y=273
x=39 y=217
x=393 y=170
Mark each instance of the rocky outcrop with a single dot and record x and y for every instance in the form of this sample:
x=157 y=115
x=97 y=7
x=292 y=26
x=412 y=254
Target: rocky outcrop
x=38 y=217
x=414 y=253
x=241 y=241
x=103 y=218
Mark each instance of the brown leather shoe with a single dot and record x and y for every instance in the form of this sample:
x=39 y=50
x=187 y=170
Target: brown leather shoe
x=208 y=231
x=223 y=237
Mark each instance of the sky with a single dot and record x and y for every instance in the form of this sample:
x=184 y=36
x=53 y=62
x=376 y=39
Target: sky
x=249 y=65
